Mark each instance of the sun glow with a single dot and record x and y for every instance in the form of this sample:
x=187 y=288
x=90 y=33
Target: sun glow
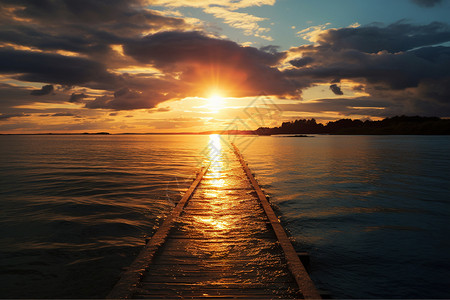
x=215 y=102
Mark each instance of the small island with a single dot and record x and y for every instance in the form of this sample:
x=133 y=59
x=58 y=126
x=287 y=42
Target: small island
x=398 y=125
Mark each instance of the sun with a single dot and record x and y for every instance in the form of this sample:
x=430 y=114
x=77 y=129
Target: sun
x=215 y=102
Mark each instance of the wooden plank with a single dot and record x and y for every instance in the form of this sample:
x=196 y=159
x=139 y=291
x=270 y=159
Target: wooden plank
x=125 y=286
x=167 y=295
x=192 y=292
x=304 y=282
x=220 y=278
x=201 y=285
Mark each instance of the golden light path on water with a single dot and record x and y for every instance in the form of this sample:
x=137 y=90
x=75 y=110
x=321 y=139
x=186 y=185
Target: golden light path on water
x=224 y=228
x=217 y=180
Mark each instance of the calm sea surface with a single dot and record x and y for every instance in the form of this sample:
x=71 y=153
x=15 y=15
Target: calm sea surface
x=373 y=211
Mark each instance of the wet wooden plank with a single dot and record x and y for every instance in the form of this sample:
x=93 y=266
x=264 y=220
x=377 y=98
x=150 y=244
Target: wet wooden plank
x=220 y=278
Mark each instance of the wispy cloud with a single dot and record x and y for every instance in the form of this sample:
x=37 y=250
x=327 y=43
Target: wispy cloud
x=248 y=23
x=227 y=10
x=232 y=4
x=311 y=33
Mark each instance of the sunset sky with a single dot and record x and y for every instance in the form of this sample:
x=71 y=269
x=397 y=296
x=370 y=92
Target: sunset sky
x=185 y=65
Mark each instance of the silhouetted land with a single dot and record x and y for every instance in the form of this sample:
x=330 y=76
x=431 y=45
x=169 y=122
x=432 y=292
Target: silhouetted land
x=398 y=125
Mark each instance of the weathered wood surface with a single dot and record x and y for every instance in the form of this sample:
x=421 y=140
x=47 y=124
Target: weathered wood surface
x=224 y=244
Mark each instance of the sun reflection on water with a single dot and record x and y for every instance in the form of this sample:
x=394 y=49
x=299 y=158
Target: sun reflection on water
x=223 y=226
x=217 y=161
x=215 y=147
x=212 y=222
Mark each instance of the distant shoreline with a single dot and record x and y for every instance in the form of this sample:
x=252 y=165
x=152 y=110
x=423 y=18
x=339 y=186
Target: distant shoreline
x=398 y=125
x=224 y=133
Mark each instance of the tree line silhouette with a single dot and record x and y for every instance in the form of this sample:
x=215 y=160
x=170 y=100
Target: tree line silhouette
x=398 y=125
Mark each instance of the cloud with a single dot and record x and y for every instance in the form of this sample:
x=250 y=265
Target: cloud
x=227 y=11
x=392 y=71
x=13 y=96
x=232 y=4
x=45 y=90
x=4 y=117
x=397 y=63
x=66 y=114
x=175 y=47
x=336 y=90
x=128 y=99
x=394 y=38
x=301 y=62
x=86 y=27
x=270 y=48
x=311 y=33
x=427 y=3
x=375 y=106
x=204 y=62
x=74 y=98
x=54 y=68
x=162 y=109
x=248 y=23
x=117 y=16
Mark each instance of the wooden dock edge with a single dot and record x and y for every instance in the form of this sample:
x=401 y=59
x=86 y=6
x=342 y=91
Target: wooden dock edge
x=304 y=282
x=129 y=280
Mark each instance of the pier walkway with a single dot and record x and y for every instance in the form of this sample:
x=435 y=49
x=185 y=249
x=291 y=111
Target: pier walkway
x=221 y=241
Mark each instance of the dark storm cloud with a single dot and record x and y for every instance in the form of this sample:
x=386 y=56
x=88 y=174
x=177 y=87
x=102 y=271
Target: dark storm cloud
x=390 y=71
x=128 y=13
x=30 y=36
x=12 y=96
x=394 y=38
x=128 y=99
x=45 y=90
x=121 y=17
x=87 y=27
x=394 y=71
x=376 y=106
x=141 y=92
x=62 y=115
x=301 y=62
x=53 y=68
x=202 y=58
x=74 y=98
x=427 y=3
x=270 y=48
x=4 y=117
x=336 y=90
x=398 y=65
x=176 y=47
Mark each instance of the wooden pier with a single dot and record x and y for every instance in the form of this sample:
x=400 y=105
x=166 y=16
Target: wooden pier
x=221 y=241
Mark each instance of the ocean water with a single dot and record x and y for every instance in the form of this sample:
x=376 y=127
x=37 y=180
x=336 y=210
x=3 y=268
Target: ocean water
x=373 y=211
x=75 y=210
